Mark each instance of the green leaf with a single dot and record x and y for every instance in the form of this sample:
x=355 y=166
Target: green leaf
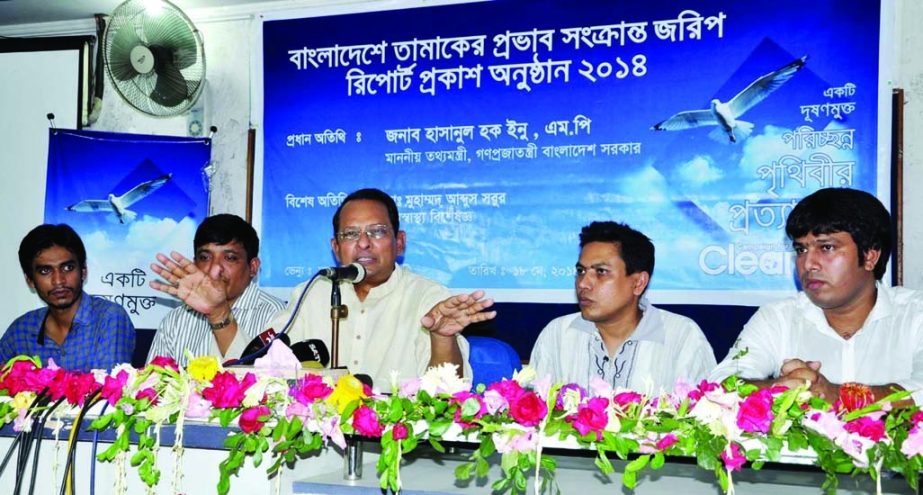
x=463 y=471
x=482 y=467
x=658 y=461
x=630 y=478
x=639 y=463
x=602 y=462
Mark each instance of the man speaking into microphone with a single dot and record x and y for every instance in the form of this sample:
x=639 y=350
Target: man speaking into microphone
x=397 y=319
x=223 y=310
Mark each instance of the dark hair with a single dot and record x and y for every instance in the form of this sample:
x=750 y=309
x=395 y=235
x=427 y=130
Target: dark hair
x=45 y=236
x=371 y=195
x=224 y=228
x=635 y=248
x=855 y=212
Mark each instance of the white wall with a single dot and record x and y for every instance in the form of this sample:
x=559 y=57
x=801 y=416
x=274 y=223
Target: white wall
x=910 y=78
x=229 y=46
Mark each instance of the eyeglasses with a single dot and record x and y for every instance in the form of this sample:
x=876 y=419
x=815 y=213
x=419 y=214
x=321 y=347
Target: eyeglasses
x=377 y=231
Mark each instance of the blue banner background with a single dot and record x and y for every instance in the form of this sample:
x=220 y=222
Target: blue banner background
x=714 y=209
x=91 y=165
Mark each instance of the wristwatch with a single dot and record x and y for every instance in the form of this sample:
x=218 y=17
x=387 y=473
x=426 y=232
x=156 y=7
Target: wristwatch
x=223 y=323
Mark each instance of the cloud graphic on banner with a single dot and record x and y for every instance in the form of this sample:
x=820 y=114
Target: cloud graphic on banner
x=698 y=172
x=145 y=237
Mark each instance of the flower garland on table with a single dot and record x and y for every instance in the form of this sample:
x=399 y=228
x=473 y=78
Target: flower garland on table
x=723 y=426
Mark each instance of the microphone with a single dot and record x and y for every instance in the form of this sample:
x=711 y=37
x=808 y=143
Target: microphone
x=312 y=351
x=354 y=273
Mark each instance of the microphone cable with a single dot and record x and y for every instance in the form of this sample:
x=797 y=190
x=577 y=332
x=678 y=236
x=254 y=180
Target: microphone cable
x=26 y=438
x=38 y=443
x=93 y=453
x=285 y=328
x=68 y=483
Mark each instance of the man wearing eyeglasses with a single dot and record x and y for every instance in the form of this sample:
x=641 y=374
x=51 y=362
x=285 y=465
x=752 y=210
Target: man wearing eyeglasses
x=398 y=321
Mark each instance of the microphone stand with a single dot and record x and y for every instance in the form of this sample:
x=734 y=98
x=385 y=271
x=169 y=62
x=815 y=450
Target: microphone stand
x=337 y=311
x=352 y=468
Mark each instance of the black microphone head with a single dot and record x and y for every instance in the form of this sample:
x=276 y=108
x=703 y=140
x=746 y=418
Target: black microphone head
x=360 y=273
x=312 y=350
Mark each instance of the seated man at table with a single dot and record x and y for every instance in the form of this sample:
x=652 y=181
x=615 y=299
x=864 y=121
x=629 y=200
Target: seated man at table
x=398 y=321
x=79 y=331
x=224 y=309
x=845 y=326
x=618 y=335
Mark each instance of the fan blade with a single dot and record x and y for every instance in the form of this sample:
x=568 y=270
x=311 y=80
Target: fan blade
x=171 y=30
x=171 y=86
x=119 y=55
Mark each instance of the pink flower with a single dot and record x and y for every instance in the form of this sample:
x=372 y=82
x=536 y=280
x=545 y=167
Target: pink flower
x=703 y=388
x=399 y=431
x=591 y=417
x=226 y=391
x=459 y=399
x=528 y=409
x=366 y=423
x=17 y=378
x=625 y=398
x=519 y=441
x=298 y=409
x=559 y=403
x=755 y=414
x=508 y=389
x=253 y=418
x=913 y=444
x=735 y=459
x=494 y=401
x=149 y=394
x=198 y=407
x=114 y=386
x=409 y=388
x=917 y=417
x=873 y=429
x=666 y=442
x=310 y=389
x=165 y=362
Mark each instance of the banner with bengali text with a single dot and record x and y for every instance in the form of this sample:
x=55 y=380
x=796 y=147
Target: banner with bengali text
x=129 y=197
x=501 y=128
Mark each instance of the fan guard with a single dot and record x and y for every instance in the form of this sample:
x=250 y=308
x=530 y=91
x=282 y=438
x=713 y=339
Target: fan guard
x=154 y=56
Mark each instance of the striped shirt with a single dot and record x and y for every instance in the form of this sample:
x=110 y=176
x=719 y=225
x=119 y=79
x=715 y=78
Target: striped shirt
x=185 y=328
x=100 y=337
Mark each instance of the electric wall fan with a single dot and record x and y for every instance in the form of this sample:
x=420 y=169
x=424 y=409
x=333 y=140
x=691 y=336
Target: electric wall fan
x=154 y=56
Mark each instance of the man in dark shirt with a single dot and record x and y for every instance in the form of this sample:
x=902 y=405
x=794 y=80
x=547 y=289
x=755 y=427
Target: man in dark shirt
x=77 y=330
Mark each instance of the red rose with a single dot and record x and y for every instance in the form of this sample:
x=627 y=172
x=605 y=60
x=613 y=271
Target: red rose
x=366 y=423
x=528 y=409
x=399 y=431
x=253 y=418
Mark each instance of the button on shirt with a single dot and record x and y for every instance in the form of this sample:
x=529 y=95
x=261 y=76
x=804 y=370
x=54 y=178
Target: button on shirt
x=100 y=337
x=663 y=348
x=381 y=333
x=887 y=349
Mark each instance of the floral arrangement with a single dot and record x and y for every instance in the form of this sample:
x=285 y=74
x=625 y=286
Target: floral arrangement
x=723 y=426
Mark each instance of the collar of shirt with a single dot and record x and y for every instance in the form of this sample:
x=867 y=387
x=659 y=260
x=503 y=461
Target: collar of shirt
x=650 y=328
x=381 y=291
x=883 y=308
x=81 y=317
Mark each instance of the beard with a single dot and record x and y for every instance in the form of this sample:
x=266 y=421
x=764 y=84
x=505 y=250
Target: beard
x=77 y=292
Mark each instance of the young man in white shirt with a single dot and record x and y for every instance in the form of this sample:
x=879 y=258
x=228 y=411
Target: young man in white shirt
x=845 y=326
x=617 y=335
